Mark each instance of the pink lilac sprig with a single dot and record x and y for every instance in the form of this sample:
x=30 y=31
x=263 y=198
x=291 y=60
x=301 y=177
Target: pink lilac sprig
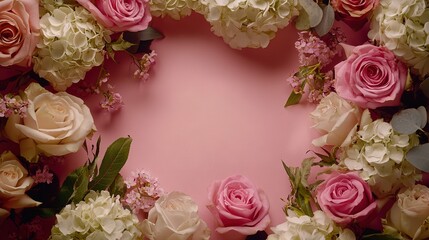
x=13 y=105
x=112 y=101
x=142 y=191
x=43 y=175
x=313 y=50
x=315 y=55
x=144 y=64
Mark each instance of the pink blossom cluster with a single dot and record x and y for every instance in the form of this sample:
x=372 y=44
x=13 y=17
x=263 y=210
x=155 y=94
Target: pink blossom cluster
x=10 y=105
x=144 y=64
x=112 y=101
x=315 y=55
x=313 y=50
x=142 y=191
x=43 y=175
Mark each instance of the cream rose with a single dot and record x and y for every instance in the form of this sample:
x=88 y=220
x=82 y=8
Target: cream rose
x=337 y=118
x=56 y=124
x=175 y=216
x=410 y=213
x=14 y=182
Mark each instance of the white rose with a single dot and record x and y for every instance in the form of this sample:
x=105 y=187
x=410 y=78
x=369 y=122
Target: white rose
x=56 y=124
x=175 y=216
x=14 y=182
x=410 y=213
x=337 y=118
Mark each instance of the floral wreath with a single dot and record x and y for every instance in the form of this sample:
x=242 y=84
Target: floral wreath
x=369 y=180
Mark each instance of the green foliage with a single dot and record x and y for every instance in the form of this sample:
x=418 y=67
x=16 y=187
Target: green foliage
x=113 y=161
x=300 y=198
x=77 y=184
x=327 y=21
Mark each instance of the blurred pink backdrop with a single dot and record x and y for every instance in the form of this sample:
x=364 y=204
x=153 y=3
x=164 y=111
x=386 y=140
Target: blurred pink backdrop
x=208 y=112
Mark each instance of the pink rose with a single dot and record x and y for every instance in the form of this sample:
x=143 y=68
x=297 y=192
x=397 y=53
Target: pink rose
x=19 y=31
x=354 y=8
x=346 y=198
x=238 y=206
x=120 y=15
x=371 y=77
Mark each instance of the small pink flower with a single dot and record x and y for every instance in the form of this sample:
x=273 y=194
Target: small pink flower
x=347 y=198
x=238 y=206
x=120 y=15
x=43 y=176
x=371 y=77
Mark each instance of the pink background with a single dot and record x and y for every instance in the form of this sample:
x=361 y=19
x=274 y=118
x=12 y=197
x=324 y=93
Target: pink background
x=208 y=112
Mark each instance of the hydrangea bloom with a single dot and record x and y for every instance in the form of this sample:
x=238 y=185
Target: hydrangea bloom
x=403 y=27
x=176 y=9
x=379 y=155
x=317 y=227
x=72 y=42
x=248 y=23
x=100 y=216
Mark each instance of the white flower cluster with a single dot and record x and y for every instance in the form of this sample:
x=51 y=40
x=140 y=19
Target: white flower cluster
x=248 y=23
x=379 y=155
x=403 y=27
x=317 y=227
x=100 y=216
x=176 y=9
x=71 y=43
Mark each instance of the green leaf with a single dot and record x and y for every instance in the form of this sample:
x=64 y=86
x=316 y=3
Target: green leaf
x=121 y=44
x=67 y=189
x=118 y=186
x=142 y=39
x=80 y=188
x=114 y=159
x=327 y=21
x=293 y=99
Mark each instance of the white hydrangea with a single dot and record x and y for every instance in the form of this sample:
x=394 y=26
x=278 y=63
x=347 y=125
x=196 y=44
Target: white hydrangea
x=378 y=153
x=71 y=43
x=100 y=216
x=317 y=227
x=248 y=23
x=403 y=27
x=176 y=9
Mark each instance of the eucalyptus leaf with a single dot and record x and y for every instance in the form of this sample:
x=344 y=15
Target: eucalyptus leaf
x=380 y=236
x=114 y=159
x=327 y=21
x=424 y=86
x=418 y=157
x=410 y=120
x=309 y=16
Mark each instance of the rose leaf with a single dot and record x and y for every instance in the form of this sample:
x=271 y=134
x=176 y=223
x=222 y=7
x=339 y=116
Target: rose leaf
x=114 y=159
x=410 y=120
x=417 y=156
x=327 y=20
